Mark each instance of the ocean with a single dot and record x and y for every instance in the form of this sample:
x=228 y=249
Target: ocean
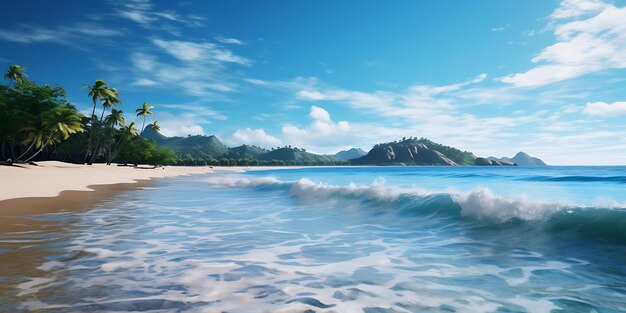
x=337 y=239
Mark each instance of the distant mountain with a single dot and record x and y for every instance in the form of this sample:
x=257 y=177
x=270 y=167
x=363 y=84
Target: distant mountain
x=197 y=146
x=414 y=151
x=294 y=154
x=210 y=147
x=521 y=159
x=350 y=154
x=149 y=134
x=246 y=151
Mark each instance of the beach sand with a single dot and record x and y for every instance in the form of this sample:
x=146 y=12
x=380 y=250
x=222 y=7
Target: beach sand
x=52 y=186
x=56 y=186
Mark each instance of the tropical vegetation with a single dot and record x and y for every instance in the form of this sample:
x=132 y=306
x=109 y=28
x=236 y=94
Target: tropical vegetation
x=37 y=122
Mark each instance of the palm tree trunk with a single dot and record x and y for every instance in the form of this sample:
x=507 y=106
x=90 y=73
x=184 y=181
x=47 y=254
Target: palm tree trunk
x=41 y=149
x=96 y=149
x=93 y=112
x=143 y=124
x=13 y=148
x=25 y=152
x=3 y=155
x=6 y=92
x=112 y=152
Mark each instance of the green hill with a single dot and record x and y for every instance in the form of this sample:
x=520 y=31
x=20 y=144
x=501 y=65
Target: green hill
x=454 y=154
x=197 y=146
x=246 y=152
x=414 y=151
x=295 y=154
x=211 y=148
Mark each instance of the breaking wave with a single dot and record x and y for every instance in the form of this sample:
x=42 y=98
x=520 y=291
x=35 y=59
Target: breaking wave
x=605 y=220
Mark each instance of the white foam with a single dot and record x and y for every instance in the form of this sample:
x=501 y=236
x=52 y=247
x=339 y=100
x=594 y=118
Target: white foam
x=305 y=188
x=483 y=204
x=242 y=182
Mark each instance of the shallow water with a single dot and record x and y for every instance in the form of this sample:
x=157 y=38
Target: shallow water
x=383 y=239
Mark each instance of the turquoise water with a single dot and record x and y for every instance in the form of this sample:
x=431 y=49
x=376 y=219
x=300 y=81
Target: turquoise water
x=373 y=239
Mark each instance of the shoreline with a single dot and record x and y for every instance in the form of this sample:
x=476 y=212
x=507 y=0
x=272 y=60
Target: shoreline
x=54 y=186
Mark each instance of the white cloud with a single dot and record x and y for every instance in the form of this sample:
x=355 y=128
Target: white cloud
x=172 y=129
x=209 y=81
x=203 y=52
x=591 y=37
x=195 y=108
x=605 y=109
x=574 y=8
x=143 y=13
x=322 y=134
x=419 y=101
x=231 y=41
x=251 y=136
x=69 y=35
x=145 y=82
x=179 y=124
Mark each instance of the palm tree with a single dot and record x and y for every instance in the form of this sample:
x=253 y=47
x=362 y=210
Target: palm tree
x=99 y=90
x=144 y=111
x=14 y=74
x=109 y=100
x=56 y=125
x=115 y=118
x=154 y=128
x=126 y=133
x=33 y=133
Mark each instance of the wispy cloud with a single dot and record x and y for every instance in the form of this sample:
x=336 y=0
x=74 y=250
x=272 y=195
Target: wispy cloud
x=210 y=81
x=144 y=13
x=68 y=35
x=231 y=41
x=182 y=119
x=499 y=29
x=202 y=52
x=591 y=37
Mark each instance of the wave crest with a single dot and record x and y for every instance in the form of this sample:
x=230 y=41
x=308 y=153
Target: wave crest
x=480 y=203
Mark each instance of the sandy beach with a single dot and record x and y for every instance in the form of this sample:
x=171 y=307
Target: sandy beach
x=50 y=178
x=52 y=185
x=56 y=186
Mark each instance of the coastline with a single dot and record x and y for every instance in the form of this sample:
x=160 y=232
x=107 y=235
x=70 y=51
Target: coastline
x=54 y=186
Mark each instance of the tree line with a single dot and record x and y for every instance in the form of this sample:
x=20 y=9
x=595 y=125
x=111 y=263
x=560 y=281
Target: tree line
x=191 y=161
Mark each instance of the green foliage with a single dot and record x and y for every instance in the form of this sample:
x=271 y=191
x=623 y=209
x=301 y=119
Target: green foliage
x=32 y=117
x=141 y=151
x=454 y=154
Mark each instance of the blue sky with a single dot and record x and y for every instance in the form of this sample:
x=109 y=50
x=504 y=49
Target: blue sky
x=491 y=77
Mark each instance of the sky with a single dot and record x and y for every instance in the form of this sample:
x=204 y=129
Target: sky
x=491 y=77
